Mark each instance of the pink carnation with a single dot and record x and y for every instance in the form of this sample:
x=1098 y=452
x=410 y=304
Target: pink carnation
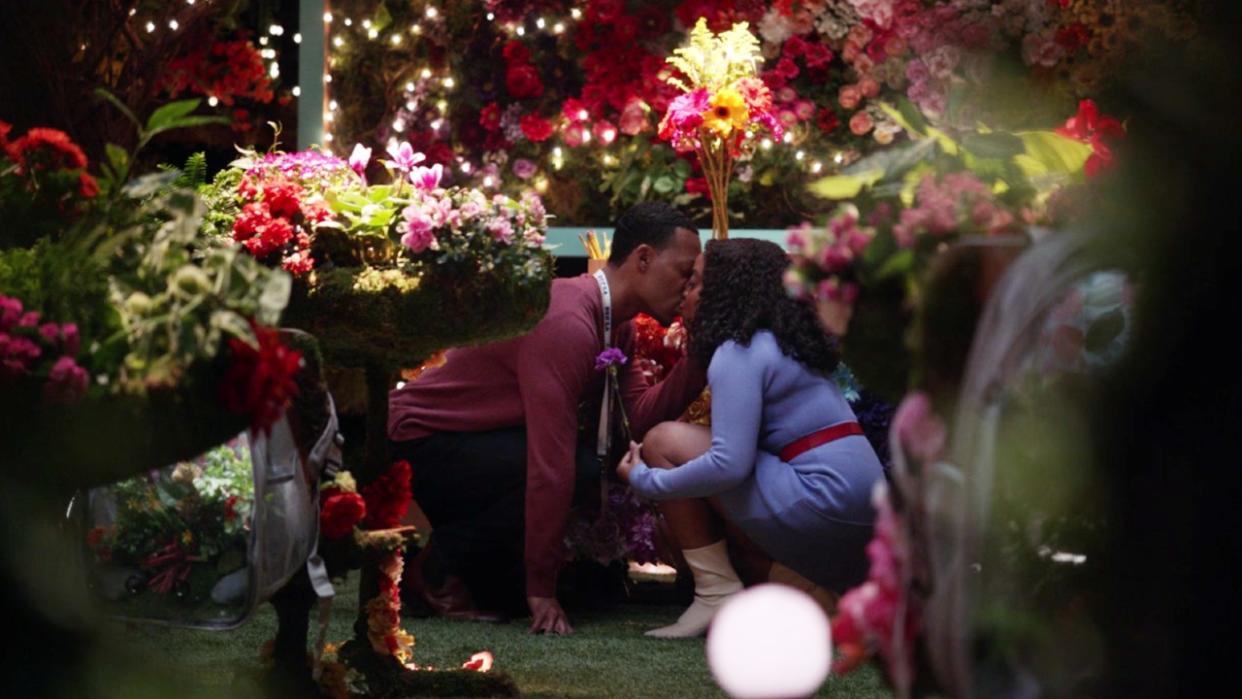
x=66 y=384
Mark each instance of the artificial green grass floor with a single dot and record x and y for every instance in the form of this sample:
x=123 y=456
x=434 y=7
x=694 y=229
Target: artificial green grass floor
x=607 y=656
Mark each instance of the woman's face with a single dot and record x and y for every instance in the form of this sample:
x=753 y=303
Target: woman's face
x=690 y=303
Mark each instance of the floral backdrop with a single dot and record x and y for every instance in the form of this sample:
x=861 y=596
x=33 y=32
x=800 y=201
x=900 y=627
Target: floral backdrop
x=565 y=97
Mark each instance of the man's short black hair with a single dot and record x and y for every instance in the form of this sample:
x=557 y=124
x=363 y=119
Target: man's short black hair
x=651 y=222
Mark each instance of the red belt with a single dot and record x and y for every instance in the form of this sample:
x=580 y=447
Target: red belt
x=818 y=438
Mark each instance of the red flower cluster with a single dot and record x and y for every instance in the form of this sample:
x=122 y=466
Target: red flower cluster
x=536 y=128
x=44 y=150
x=226 y=70
x=1089 y=126
x=340 y=512
x=655 y=349
x=260 y=382
x=388 y=497
x=274 y=220
x=521 y=78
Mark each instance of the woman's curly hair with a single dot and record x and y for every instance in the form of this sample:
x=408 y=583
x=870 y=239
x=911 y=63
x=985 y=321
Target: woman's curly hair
x=743 y=292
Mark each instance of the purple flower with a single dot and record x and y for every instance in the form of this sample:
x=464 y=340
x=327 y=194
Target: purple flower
x=404 y=157
x=524 y=168
x=610 y=357
x=358 y=160
x=418 y=229
x=501 y=230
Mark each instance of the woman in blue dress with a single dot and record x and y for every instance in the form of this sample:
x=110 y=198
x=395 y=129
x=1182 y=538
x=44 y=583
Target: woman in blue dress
x=784 y=461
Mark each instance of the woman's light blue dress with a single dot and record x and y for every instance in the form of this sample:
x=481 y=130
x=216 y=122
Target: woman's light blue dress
x=813 y=514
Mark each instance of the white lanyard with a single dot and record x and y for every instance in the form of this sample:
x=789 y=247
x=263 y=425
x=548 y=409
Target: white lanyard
x=605 y=416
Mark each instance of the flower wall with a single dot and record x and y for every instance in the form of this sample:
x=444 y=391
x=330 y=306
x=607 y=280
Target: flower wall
x=565 y=97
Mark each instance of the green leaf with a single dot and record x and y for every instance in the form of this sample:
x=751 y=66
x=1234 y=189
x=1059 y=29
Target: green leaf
x=912 y=118
x=232 y=324
x=682 y=169
x=187 y=123
x=900 y=263
x=1047 y=152
x=664 y=184
x=997 y=144
x=118 y=158
x=845 y=186
x=275 y=297
x=114 y=101
x=169 y=114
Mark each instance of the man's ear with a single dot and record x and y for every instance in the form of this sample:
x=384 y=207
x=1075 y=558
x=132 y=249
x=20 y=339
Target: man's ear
x=644 y=255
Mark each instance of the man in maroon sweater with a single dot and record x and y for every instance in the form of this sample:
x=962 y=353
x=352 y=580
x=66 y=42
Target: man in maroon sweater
x=493 y=434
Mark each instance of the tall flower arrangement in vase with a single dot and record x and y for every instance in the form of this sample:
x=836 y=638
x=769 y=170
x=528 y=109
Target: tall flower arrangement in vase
x=723 y=107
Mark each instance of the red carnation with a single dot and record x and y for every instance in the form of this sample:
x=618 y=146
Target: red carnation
x=388 y=497
x=340 y=513
x=523 y=82
x=489 y=117
x=259 y=382
x=536 y=127
x=47 y=149
x=253 y=216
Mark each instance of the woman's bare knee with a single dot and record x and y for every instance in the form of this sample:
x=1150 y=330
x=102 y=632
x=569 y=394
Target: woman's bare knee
x=671 y=444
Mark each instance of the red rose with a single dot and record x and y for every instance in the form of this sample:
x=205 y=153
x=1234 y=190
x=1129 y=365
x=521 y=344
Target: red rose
x=516 y=52
x=523 y=81
x=827 y=120
x=536 y=127
x=489 y=117
x=340 y=513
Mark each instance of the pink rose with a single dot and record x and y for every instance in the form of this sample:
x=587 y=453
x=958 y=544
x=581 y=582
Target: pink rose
x=849 y=97
x=861 y=123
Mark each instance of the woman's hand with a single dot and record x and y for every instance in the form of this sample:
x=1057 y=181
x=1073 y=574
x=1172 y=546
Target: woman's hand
x=632 y=457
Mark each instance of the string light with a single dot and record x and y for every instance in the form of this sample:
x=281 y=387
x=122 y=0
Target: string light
x=133 y=12
x=799 y=155
x=766 y=144
x=431 y=12
x=409 y=87
x=274 y=71
x=576 y=13
x=416 y=29
x=327 y=116
x=435 y=125
x=491 y=16
x=465 y=168
x=396 y=39
x=816 y=167
x=212 y=101
x=398 y=125
x=297 y=38
x=442 y=105
x=150 y=27
x=327 y=137
x=297 y=91
x=541 y=23
x=327 y=78
x=333 y=105
x=263 y=41
x=838 y=158
x=487 y=181
x=426 y=73
x=411 y=105
x=372 y=33
x=349 y=22
x=448 y=83
x=276 y=30
x=583 y=115
x=338 y=42
x=173 y=25
x=559 y=28
x=366 y=24
x=521 y=31
x=189 y=2
x=788 y=137
x=586 y=136
x=327 y=18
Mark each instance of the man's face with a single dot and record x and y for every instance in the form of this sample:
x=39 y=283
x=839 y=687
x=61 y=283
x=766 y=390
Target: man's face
x=690 y=305
x=666 y=273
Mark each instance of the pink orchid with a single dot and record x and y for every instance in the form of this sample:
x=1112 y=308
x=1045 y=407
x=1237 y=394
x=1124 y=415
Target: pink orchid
x=359 y=158
x=427 y=178
x=404 y=157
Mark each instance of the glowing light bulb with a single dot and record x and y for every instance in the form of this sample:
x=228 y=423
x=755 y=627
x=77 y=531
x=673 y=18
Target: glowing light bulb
x=521 y=31
x=541 y=23
x=409 y=87
x=575 y=13
x=398 y=125
x=327 y=78
x=799 y=155
x=276 y=30
x=838 y=158
x=274 y=70
x=333 y=105
x=396 y=39
x=442 y=105
x=173 y=25
x=586 y=136
x=338 y=42
x=487 y=181
x=583 y=114
x=465 y=168
x=449 y=83
x=212 y=101
x=766 y=144
x=297 y=91
x=150 y=27
x=327 y=137
x=372 y=33
x=327 y=17
x=366 y=24
x=491 y=16
x=349 y=22
x=558 y=28
x=435 y=125
x=431 y=12
x=816 y=167
x=416 y=29
x=327 y=116
x=426 y=73
x=263 y=41
x=297 y=38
